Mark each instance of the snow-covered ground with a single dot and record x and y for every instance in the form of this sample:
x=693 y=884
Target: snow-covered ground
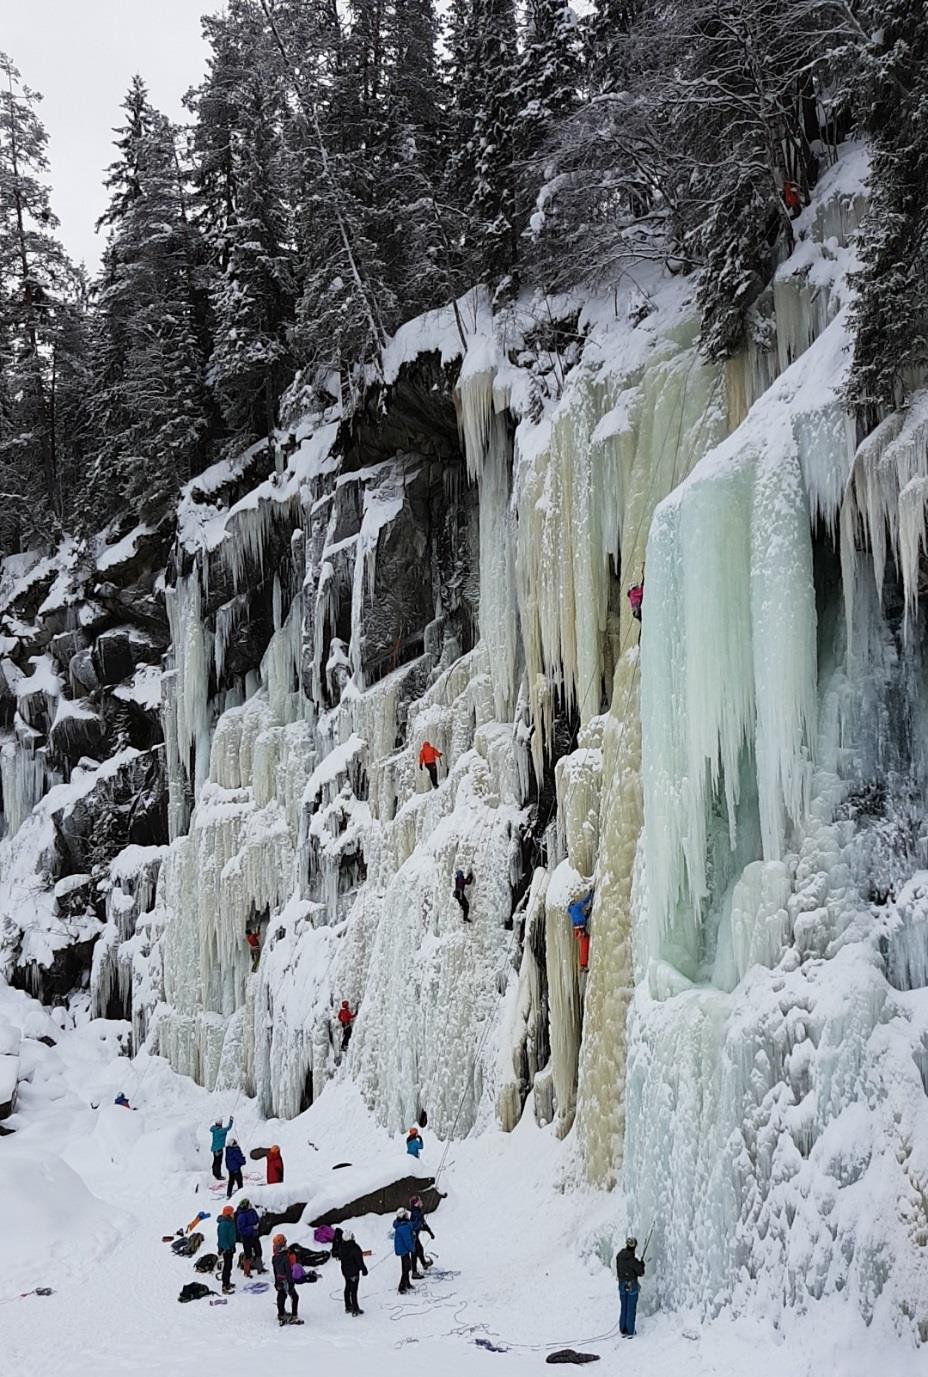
x=86 y=1195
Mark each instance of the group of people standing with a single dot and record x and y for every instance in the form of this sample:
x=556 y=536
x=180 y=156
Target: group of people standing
x=228 y=1150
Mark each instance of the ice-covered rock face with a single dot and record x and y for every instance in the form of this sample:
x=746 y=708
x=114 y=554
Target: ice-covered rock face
x=739 y=778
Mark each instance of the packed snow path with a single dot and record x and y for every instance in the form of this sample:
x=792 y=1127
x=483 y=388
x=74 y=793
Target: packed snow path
x=87 y=1194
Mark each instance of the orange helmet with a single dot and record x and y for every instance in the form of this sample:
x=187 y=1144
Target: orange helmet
x=278 y=1241
x=228 y=1210
x=275 y=1148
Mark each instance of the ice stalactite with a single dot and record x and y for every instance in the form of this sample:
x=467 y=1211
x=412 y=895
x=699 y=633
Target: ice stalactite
x=525 y=1040
x=886 y=503
x=237 y=864
x=669 y=412
x=484 y=425
x=186 y=698
x=23 y=776
x=132 y=882
x=563 y=981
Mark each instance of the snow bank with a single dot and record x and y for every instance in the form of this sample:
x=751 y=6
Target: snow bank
x=54 y=1229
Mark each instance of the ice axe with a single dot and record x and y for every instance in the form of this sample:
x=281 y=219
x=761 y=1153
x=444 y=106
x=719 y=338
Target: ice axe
x=647 y=1242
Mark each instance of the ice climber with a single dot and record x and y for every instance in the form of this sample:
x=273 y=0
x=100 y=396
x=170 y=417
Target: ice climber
x=274 y=1164
x=429 y=757
x=353 y=1268
x=461 y=881
x=579 y=914
x=283 y=1282
x=218 y=1144
x=635 y=597
x=225 y=1246
x=246 y=1226
x=414 y=1143
x=346 y=1018
x=235 y=1160
x=122 y=1100
x=420 y=1226
x=254 y=942
x=628 y=1269
x=404 y=1245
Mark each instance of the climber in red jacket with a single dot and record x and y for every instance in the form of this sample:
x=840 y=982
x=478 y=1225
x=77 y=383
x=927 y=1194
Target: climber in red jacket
x=635 y=599
x=429 y=757
x=346 y=1018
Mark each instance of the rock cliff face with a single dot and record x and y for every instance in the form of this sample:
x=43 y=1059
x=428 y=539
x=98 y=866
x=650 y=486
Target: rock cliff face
x=214 y=727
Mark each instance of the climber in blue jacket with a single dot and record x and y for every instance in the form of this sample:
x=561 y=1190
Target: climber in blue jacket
x=404 y=1245
x=217 y=1145
x=235 y=1160
x=414 y=1143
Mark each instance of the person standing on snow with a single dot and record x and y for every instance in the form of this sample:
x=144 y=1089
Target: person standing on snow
x=628 y=1269
x=274 y=1164
x=461 y=881
x=246 y=1227
x=414 y=1143
x=346 y=1018
x=235 y=1160
x=283 y=1282
x=217 y=1145
x=225 y=1246
x=353 y=1268
x=420 y=1226
x=429 y=757
x=404 y=1246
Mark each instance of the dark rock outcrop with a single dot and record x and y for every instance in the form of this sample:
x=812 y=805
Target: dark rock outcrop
x=386 y=1200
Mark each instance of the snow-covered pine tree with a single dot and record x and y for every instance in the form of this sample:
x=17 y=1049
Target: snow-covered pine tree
x=890 y=314
x=606 y=33
x=346 y=305
x=149 y=403
x=484 y=71
x=39 y=289
x=423 y=230
x=240 y=208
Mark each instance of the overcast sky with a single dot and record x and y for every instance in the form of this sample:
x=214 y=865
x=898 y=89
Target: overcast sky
x=81 y=55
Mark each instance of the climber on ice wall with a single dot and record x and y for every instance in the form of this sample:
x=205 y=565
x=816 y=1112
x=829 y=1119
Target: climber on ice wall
x=346 y=1018
x=579 y=913
x=461 y=881
x=635 y=597
x=254 y=942
x=429 y=757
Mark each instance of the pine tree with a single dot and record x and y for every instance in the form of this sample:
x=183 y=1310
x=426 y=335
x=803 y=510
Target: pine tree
x=149 y=401
x=890 y=315
x=483 y=66
x=241 y=211
x=606 y=43
x=36 y=282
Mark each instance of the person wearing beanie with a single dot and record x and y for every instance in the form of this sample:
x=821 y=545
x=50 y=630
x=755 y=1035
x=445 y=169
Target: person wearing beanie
x=283 y=1282
x=225 y=1246
x=353 y=1268
x=629 y=1269
x=404 y=1246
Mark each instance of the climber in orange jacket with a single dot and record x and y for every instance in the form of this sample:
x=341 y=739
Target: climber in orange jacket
x=429 y=757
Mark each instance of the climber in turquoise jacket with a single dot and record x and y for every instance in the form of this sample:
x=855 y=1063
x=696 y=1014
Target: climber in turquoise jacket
x=217 y=1145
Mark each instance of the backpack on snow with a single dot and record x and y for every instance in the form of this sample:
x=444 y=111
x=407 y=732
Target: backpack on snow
x=194 y=1290
x=206 y=1263
x=188 y=1247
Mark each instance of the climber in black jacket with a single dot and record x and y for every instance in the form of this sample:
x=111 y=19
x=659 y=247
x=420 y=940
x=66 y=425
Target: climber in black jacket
x=628 y=1269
